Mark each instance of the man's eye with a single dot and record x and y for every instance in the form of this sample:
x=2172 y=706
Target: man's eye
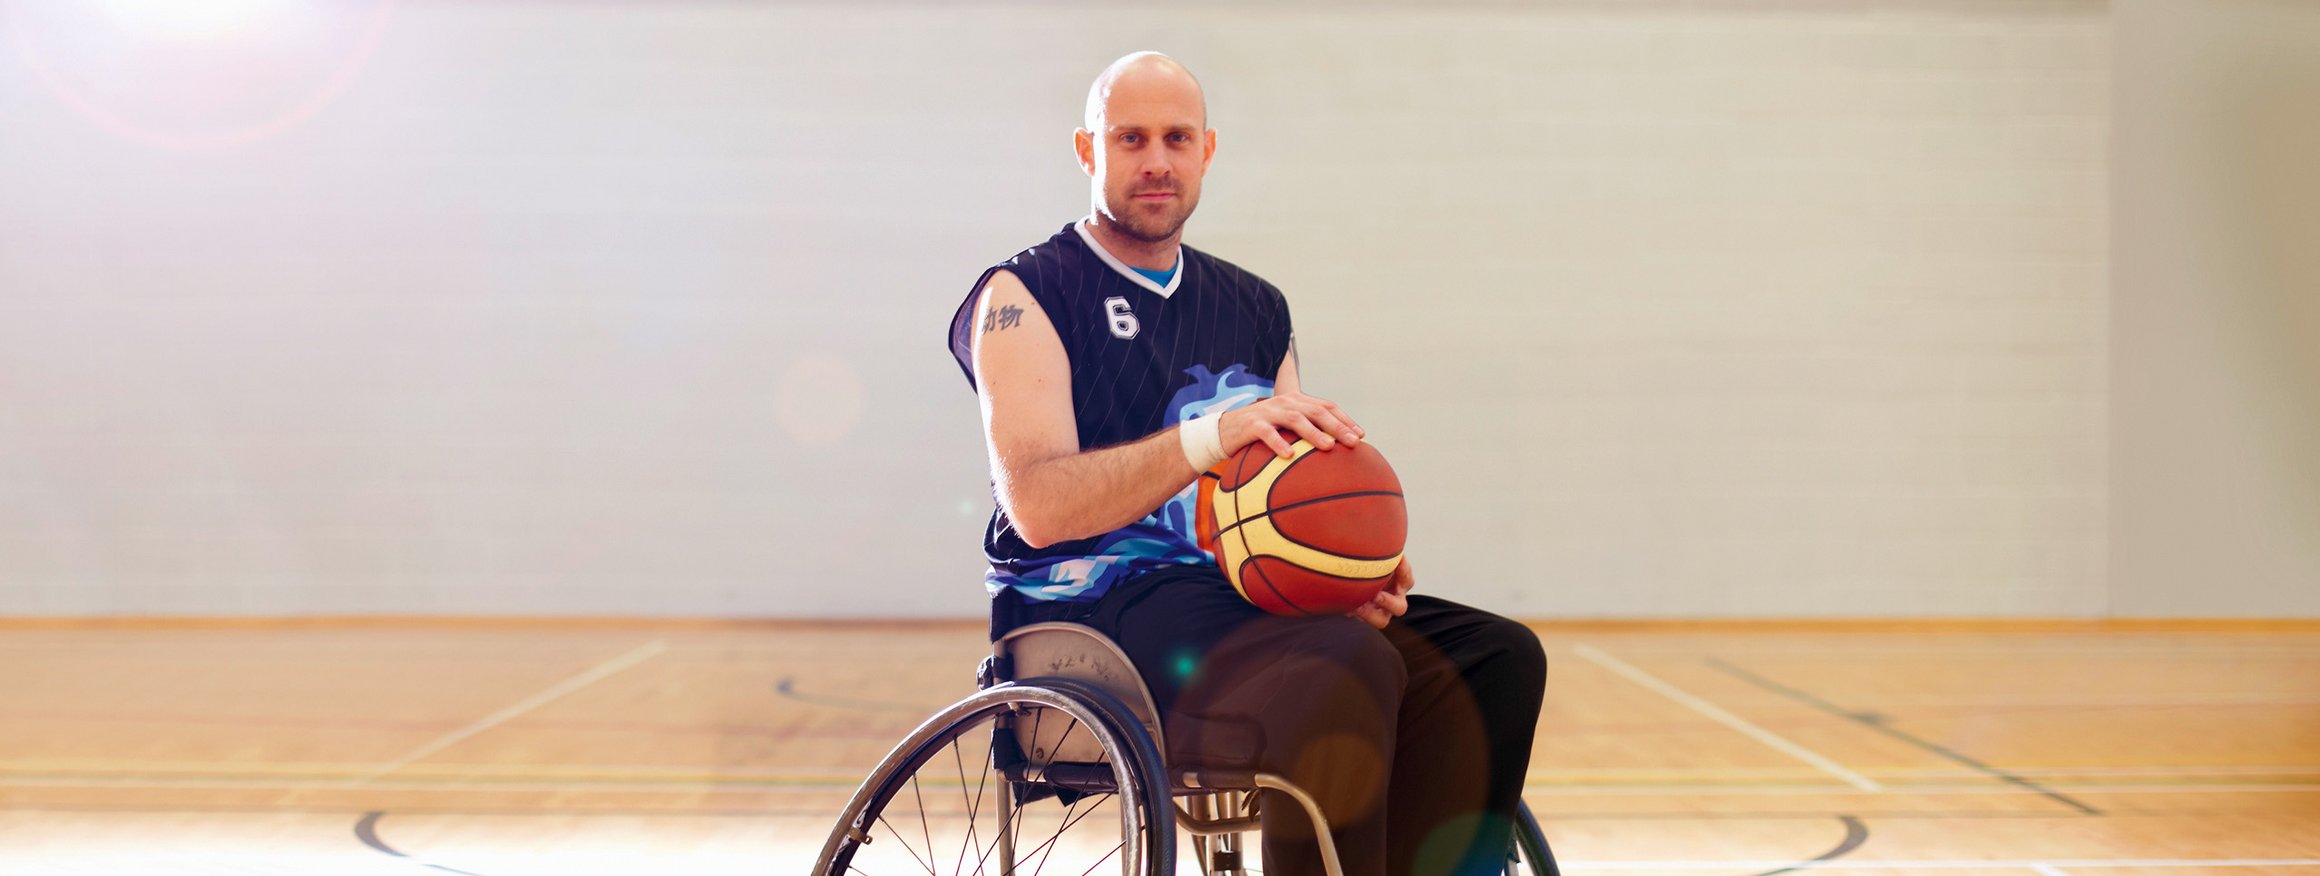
x=1180 y=137
x=1129 y=138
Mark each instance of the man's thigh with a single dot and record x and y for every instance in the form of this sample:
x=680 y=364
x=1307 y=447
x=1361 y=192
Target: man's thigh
x=1221 y=668
x=1170 y=620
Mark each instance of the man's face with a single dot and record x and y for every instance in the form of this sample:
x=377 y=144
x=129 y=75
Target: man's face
x=1147 y=157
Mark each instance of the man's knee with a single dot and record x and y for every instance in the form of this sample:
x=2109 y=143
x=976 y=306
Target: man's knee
x=1517 y=659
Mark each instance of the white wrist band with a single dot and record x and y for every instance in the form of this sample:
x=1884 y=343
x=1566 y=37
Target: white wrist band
x=1203 y=447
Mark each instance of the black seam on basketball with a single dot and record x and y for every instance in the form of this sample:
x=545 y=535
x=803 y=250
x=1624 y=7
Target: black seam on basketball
x=1252 y=565
x=1293 y=461
x=1271 y=511
x=1242 y=457
x=1241 y=462
x=1245 y=558
x=1222 y=529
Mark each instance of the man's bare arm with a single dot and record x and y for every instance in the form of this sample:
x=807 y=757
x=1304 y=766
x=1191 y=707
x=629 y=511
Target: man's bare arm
x=1049 y=487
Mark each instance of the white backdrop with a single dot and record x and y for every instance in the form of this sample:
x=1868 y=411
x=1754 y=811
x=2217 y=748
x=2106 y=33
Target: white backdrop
x=1660 y=308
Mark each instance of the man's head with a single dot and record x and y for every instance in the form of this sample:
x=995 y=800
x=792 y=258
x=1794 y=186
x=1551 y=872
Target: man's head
x=1145 y=146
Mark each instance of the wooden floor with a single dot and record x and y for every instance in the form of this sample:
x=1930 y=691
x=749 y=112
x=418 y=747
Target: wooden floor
x=587 y=748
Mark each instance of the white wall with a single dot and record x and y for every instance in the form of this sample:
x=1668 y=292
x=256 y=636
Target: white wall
x=1661 y=308
x=2217 y=322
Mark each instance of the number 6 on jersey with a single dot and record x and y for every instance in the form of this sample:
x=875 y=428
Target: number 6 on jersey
x=1124 y=323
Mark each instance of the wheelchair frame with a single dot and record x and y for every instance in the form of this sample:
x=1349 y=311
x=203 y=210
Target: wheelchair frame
x=1083 y=674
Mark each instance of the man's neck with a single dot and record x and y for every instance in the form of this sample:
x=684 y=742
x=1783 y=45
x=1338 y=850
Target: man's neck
x=1132 y=252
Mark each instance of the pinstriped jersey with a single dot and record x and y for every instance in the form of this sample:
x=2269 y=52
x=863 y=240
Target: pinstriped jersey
x=1144 y=357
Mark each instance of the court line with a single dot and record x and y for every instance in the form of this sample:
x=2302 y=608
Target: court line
x=2046 y=870
x=1654 y=684
x=787 y=688
x=1856 y=833
x=1878 y=724
x=367 y=830
x=594 y=674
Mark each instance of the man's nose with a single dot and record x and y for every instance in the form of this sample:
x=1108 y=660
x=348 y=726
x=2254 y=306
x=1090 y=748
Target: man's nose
x=1155 y=165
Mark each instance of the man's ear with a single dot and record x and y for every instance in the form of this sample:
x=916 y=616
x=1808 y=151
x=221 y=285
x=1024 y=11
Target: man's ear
x=1083 y=142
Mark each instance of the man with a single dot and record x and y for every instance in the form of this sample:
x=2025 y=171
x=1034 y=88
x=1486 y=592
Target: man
x=1115 y=365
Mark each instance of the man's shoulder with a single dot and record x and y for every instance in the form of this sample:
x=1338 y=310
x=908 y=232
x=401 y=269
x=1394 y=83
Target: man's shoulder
x=1230 y=275
x=1059 y=249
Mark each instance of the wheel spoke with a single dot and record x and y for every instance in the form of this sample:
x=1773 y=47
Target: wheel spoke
x=923 y=828
x=987 y=850
x=905 y=844
x=1107 y=856
x=1047 y=847
x=1066 y=737
x=974 y=809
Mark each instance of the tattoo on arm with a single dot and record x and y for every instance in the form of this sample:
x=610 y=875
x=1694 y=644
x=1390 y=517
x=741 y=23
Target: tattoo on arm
x=1001 y=318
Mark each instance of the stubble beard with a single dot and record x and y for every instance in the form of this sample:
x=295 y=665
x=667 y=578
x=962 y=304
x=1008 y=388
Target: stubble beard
x=1146 y=228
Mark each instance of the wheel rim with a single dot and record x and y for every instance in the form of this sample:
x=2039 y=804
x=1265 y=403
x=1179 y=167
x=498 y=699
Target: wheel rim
x=946 y=801
x=1529 y=856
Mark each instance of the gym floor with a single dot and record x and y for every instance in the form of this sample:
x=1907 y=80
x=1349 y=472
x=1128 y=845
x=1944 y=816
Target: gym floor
x=510 y=747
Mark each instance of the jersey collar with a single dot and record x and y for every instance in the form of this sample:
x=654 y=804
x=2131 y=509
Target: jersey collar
x=1128 y=272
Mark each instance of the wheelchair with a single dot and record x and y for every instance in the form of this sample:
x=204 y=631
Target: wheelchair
x=1063 y=734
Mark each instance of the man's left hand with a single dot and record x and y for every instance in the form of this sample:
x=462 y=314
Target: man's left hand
x=1392 y=601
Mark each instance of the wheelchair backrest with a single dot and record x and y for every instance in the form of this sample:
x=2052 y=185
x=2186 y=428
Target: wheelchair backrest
x=1078 y=652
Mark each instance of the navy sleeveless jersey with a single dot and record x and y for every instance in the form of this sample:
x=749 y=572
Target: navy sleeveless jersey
x=1144 y=357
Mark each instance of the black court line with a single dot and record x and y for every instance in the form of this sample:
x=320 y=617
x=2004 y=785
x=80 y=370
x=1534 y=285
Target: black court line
x=1876 y=722
x=367 y=830
x=787 y=687
x=1856 y=833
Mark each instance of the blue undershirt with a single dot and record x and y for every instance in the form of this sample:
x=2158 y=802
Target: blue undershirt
x=1160 y=277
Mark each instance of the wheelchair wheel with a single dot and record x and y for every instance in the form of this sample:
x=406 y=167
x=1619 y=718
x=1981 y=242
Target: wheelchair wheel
x=1530 y=855
x=958 y=796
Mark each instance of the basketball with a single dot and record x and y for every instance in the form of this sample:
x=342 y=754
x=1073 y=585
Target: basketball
x=1318 y=533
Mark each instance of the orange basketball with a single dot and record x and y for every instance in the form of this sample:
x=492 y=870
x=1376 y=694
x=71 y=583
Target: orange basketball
x=1318 y=533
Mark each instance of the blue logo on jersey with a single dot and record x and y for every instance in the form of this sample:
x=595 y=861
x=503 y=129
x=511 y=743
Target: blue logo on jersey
x=1209 y=394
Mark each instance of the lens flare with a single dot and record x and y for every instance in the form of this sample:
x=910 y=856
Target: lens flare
x=194 y=74
x=181 y=19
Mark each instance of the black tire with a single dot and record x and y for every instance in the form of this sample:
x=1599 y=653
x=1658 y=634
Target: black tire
x=1530 y=855
x=969 y=730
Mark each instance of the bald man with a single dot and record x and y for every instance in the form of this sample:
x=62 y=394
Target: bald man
x=1115 y=365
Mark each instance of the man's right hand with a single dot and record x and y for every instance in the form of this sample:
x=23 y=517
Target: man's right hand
x=1317 y=420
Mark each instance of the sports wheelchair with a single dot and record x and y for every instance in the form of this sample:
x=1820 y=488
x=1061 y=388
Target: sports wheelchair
x=1063 y=731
